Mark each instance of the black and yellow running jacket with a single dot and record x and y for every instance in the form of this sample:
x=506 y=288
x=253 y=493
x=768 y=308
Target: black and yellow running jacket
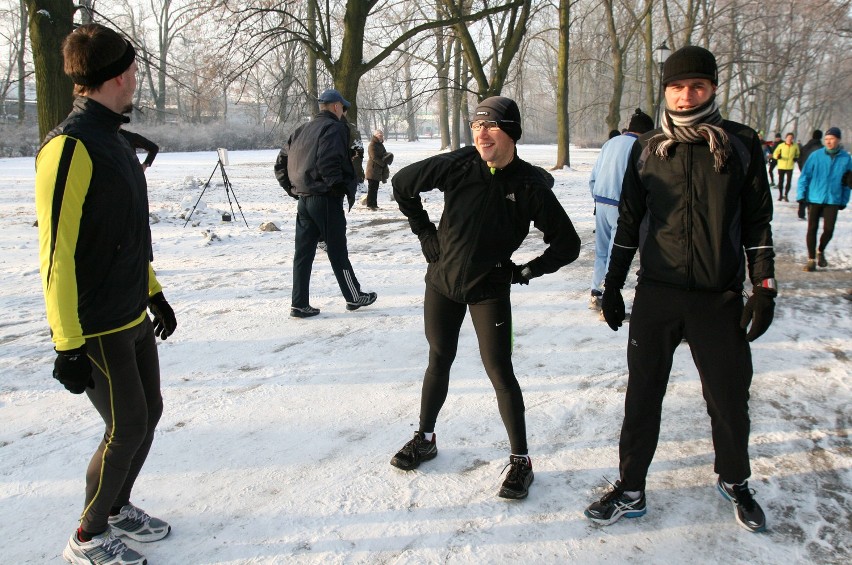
x=94 y=236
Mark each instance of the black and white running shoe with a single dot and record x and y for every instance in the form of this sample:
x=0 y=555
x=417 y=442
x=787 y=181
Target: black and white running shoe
x=365 y=299
x=519 y=479
x=747 y=511
x=414 y=452
x=136 y=524
x=614 y=505
x=303 y=312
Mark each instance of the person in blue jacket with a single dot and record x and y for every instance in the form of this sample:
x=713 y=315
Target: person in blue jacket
x=824 y=185
x=605 y=186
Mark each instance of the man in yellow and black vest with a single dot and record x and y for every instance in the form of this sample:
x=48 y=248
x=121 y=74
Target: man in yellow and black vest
x=95 y=260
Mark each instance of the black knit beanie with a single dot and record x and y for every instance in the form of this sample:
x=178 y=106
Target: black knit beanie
x=690 y=62
x=502 y=110
x=640 y=122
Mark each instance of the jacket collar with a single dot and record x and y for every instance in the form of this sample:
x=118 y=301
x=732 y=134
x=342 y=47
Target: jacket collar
x=99 y=112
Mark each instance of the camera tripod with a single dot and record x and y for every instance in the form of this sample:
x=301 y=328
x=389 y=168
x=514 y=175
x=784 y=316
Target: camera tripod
x=229 y=189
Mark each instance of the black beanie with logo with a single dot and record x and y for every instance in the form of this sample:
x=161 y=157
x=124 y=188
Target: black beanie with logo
x=502 y=110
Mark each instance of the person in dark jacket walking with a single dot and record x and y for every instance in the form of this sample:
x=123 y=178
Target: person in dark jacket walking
x=315 y=166
x=95 y=262
x=812 y=145
x=698 y=193
x=490 y=198
x=378 y=167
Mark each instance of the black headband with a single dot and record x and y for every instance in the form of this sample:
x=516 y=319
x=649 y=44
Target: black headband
x=112 y=70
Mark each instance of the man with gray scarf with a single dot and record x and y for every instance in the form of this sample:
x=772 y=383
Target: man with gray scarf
x=697 y=190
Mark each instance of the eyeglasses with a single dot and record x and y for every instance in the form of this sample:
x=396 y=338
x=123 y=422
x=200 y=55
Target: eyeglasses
x=489 y=125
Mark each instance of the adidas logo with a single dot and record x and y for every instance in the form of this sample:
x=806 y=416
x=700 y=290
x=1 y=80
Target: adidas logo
x=511 y=196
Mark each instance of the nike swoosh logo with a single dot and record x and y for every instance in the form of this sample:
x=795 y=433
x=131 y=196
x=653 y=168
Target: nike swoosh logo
x=499 y=323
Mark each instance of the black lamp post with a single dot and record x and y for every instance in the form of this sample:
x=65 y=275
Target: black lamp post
x=661 y=53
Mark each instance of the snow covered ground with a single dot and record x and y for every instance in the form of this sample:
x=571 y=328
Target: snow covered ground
x=277 y=433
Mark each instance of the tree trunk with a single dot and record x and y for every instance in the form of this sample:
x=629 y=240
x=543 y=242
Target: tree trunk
x=563 y=133
x=455 y=141
x=50 y=21
x=311 y=78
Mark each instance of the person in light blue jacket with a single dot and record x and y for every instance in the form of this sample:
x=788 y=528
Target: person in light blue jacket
x=824 y=185
x=605 y=184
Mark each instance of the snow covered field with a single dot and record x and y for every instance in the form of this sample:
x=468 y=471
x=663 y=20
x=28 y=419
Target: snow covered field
x=275 y=442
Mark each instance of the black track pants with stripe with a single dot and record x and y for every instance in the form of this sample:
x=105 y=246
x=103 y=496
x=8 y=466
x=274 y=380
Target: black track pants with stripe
x=321 y=218
x=492 y=321
x=710 y=322
x=127 y=395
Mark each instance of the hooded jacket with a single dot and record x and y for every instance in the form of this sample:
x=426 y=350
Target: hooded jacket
x=487 y=215
x=94 y=234
x=695 y=222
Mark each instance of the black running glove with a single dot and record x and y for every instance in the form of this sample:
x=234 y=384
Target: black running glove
x=759 y=310
x=164 y=317
x=429 y=245
x=613 y=307
x=73 y=369
x=521 y=274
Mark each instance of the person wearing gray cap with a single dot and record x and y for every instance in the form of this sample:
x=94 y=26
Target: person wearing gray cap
x=315 y=167
x=696 y=205
x=824 y=186
x=98 y=282
x=490 y=198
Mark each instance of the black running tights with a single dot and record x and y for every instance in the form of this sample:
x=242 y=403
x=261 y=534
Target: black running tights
x=492 y=321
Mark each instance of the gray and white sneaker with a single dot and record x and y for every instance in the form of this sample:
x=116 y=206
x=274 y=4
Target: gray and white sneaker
x=365 y=299
x=103 y=549
x=135 y=523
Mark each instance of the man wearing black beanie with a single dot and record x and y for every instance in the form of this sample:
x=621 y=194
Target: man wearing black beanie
x=490 y=198
x=695 y=204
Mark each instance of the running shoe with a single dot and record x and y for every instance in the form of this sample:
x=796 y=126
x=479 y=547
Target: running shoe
x=519 y=479
x=135 y=523
x=103 y=549
x=747 y=511
x=614 y=505
x=415 y=452
x=365 y=299
x=303 y=312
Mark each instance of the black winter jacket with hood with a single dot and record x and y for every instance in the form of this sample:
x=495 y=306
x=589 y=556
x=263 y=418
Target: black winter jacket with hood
x=695 y=223
x=486 y=218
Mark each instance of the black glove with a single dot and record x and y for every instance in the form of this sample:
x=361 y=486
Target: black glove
x=164 y=317
x=73 y=369
x=519 y=275
x=759 y=310
x=613 y=307
x=430 y=246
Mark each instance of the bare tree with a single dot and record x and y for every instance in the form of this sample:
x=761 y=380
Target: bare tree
x=49 y=23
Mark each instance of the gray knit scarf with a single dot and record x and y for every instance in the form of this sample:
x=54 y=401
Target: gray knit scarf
x=693 y=126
